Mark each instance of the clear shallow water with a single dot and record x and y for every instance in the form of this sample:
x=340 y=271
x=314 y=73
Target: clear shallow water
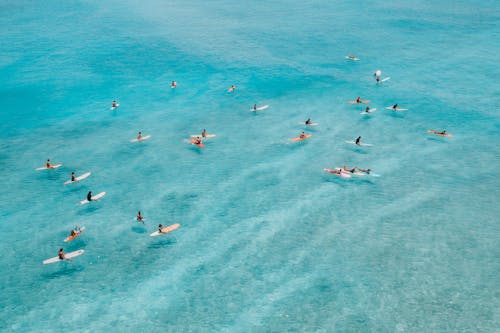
x=268 y=241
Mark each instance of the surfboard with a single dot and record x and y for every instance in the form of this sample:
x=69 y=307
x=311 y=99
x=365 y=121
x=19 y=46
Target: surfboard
x=207 y=136
x=360 y=144
x=307 y=136
x=193 y=141
x=260 y=108
x=369 y=112
x=77 y=179
x=311 y=124
x=353 y=58
x=145 y=137
x=356 y=173
x=384 y=79
x=397 y=109
x=231 y=89
x=448 y=135
x=70 y=238
x=362 y=101
x=53 y=166
x=114 y=107
x=94 y=198
x=67 y=256
x=334 y=172
x=165 y=230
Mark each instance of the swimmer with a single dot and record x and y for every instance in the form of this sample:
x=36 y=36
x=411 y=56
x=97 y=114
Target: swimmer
x=139 y=136
x=308 y=121
x=358 y=141
x=173 y=84
x=140 y=218
x=302 y=135
x=231 y=89
x=367 y=171
x=73 y=178
x=60 y=254
x=89 y=196
x=204 y=133
x=160 y=226
x=349 y=170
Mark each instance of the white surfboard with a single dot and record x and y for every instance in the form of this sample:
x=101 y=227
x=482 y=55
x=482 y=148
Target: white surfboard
x=356 y=173
x=77 y=179
x=53 y=166
x=114 y=107
x=384 y=79
x=207 y=136
x=165 y=230
x=67 y=256
x=260 y=108
x=145 y=137
x=94 y=198
x=397 y=109
x=352 y=58
x=360 y=144
x=369 y=112
x=311 y=124
x=363 y=101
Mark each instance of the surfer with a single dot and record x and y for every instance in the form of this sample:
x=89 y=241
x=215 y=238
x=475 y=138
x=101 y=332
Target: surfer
x=302 y=135
x=377 y=75
x=367 y=171
x=395 y=106
x=114 y=105
x=75 y=231
x=358 y=141
x=308 y=121
x=89 y=196
x=60 y=254
x=204 y=133
x=139 y=136
x=140 y=218
x=73 y=178
x=231 y=89
x=47 y=164
x=441 y=133
x=367 y=110
x=351 y=57
x=173 y=84
x=197 y=141
x=349 y=170
x=255 y=107
x=160 y=226
x=358 y=100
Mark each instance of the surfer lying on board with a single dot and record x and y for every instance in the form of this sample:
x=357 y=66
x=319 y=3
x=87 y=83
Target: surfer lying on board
x=60 y=254
x=89 y=196
x=349 y=170
x=367 y=171
x=358 y=141
x=140 y=218
x=197 y=141
x=231 y=89
x=75 y=231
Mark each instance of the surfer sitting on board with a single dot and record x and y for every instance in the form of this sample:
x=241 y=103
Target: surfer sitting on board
x=173 y=84
x=302 y=135
x=113 y=104
x=139 y=136
x=89 y=196
x=308 y=121
x=73 y=176
x=47 y=164
x=367 y=171
x=160 y=226
x=60 y=254
x=358 y=141
x=367 y=110
x=204 y=133
x=255 y=106
x=139 y=217
x=358 y=100
x=395 y=106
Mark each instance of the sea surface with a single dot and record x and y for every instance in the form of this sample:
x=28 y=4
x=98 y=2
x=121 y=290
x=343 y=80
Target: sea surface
x=268 y=241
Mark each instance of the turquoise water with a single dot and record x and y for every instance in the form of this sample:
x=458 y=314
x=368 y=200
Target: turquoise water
x=268 y=241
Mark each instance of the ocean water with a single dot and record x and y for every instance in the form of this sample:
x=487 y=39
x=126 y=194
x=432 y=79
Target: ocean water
x=268 y=241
